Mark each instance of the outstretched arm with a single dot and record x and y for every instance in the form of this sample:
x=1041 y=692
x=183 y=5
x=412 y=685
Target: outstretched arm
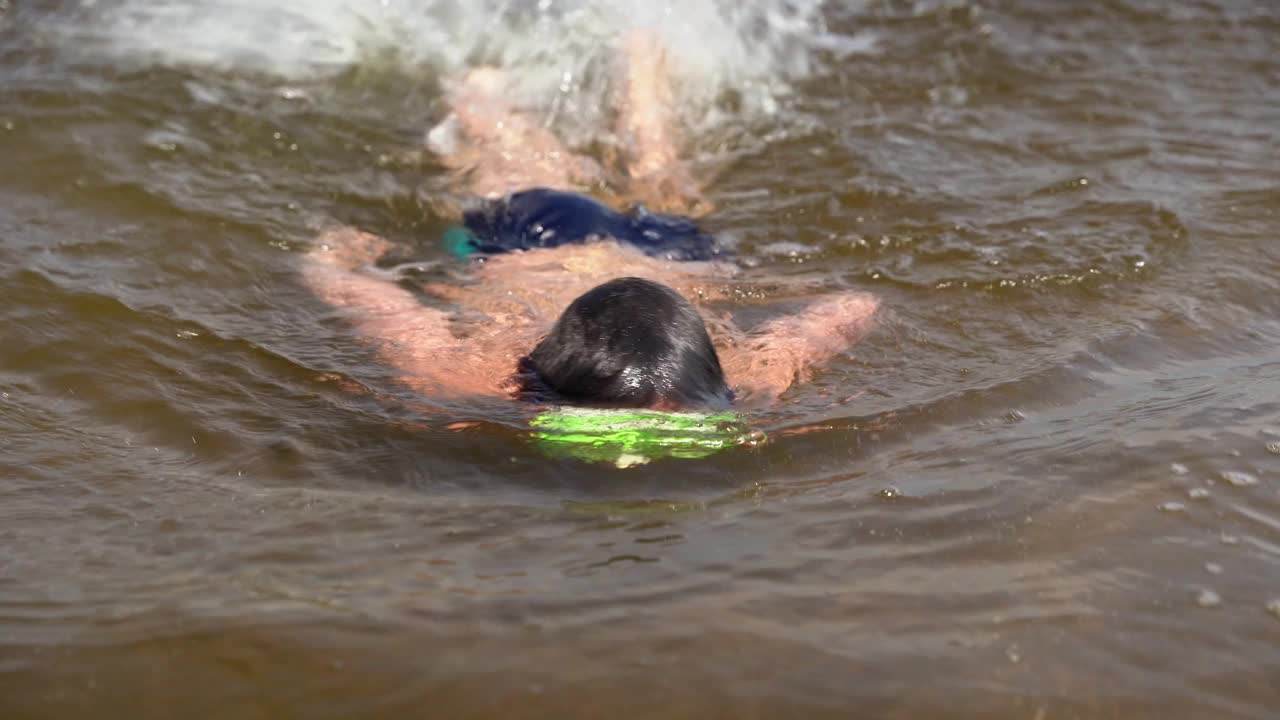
x=336 y=271
x=764 y=363
x=412 y=337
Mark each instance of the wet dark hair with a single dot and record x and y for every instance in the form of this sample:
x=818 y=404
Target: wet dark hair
x=627 y=343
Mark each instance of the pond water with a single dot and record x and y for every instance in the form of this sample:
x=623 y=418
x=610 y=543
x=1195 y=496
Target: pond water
x=1046 y=486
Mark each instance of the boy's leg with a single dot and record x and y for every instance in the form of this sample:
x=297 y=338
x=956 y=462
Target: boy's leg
x=647 y=123
x=501 y=150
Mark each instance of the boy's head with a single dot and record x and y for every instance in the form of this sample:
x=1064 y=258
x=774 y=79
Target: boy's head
x=629 y=343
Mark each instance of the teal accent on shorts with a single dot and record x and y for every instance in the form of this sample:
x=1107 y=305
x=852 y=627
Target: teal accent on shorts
x=633 y=437
x=460 y=241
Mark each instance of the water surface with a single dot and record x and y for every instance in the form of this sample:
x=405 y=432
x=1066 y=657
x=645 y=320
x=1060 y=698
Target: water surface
x=1047 y=486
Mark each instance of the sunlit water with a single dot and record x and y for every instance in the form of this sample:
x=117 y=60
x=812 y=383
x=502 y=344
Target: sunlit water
x=1047 y=486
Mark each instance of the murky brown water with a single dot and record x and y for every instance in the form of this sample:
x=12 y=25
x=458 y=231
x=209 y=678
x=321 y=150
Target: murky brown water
x=1048 y=486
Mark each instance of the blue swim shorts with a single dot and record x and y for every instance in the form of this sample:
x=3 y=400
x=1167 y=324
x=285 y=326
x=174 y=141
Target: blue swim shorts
x=542 y=218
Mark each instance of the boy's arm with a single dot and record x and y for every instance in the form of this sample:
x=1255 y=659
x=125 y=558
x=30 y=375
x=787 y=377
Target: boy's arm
x=411 y=336
x=764 y=363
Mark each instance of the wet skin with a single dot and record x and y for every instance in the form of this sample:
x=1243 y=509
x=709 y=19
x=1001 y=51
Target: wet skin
x=473 y=348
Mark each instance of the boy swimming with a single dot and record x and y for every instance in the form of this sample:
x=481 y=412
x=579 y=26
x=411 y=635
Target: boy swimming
x=576 y=302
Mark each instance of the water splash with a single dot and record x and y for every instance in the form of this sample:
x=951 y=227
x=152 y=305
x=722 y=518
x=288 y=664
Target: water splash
x=1239 y=479
x=724 y=53
x=1208 y=598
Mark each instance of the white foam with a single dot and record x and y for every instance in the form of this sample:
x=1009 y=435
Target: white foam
x=558 y=51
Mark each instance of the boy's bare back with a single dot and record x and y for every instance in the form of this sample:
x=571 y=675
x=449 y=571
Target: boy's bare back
x=510 y=301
